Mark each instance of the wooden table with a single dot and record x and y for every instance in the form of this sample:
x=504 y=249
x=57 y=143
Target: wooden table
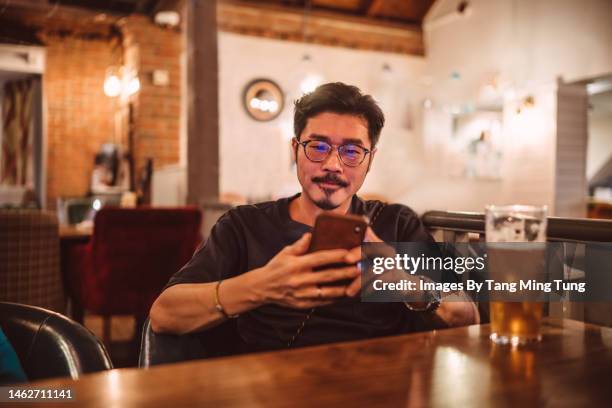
x=459 y=367
x=71 y=233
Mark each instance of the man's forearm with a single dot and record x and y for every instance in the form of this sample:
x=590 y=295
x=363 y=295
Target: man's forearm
x=186 y=308
x=457 y=310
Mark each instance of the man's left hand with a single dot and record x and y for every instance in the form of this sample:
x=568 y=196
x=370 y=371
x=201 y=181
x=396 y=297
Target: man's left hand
x=354 y=256
x=451 y=313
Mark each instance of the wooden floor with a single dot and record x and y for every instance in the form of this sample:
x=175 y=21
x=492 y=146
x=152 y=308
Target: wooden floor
x=123 y=348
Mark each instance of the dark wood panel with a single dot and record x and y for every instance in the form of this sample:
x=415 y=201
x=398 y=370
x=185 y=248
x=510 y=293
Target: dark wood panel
x=324 y=27
x=115 y=7
x=348 y=5
x=455 y=367
x=408 y=11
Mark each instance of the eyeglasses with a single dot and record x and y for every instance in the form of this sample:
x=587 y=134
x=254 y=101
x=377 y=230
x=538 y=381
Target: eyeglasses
x=351 y=155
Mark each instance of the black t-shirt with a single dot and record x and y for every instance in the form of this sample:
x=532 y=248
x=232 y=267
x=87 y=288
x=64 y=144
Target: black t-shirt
x=247 y=237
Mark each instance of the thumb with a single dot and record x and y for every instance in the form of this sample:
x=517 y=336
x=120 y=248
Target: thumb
x=300 y=246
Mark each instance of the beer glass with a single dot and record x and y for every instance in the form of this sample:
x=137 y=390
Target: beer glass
x=516 y=237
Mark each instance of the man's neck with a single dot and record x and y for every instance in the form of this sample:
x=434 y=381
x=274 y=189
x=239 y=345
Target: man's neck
x=305 y=211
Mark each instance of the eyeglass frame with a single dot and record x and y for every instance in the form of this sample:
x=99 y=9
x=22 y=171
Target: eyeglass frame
x=332 y=147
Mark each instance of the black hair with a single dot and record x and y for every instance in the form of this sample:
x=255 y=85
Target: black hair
x=340 y=98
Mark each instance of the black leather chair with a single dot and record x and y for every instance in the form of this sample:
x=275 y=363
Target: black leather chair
x=49 y=344
x=155 y=349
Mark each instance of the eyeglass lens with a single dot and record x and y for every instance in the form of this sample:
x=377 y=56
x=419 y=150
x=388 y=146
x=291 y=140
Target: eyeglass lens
x=350 y=154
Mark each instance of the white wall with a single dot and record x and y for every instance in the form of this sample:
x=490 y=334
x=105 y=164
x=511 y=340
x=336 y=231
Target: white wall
x=522 y=46
x=524 y=40
x=256 y=156
x=527 y=163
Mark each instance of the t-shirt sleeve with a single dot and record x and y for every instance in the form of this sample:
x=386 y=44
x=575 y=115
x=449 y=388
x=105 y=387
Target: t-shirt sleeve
x=217 y=258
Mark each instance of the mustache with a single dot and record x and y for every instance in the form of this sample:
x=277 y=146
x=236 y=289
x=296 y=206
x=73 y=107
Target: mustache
x=330 y=178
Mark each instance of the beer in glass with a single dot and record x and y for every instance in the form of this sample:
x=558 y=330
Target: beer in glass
x=516 y=237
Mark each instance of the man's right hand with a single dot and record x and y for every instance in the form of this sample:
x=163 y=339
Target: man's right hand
x=288 y=279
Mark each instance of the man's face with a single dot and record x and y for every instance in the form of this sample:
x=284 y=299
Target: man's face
x=330 y=183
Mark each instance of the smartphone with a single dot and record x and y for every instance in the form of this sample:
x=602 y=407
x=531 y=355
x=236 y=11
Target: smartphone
x=333 y=231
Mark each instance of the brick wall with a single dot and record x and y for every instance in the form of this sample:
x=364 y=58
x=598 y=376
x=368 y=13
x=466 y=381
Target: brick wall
x=157 y=114
x=80 y=117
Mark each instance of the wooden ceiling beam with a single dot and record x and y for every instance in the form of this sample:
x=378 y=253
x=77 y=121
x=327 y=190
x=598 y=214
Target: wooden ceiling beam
x=75 y=8
x=42 y=6
x=375 y=7
x=326 y=28
x=58 y=10
x=43 y=17
x=365 y=7
x=351 y=6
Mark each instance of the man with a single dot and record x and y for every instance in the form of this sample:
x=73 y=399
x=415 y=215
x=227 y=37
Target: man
x=254 y=265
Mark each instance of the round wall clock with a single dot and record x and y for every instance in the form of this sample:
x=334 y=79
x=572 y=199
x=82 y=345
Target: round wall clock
x=263 y=99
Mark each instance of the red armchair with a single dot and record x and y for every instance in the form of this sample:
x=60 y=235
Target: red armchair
x=130 y=258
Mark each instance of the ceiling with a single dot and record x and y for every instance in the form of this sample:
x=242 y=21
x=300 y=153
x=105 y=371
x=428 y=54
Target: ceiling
x=21 y=20
x=113 y=7
x=380 y=25
x=401 y=11
x=119 y=7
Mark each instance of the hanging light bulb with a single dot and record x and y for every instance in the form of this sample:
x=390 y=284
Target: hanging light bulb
x=112 y=84
x=121 y=82
x=133 y=85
